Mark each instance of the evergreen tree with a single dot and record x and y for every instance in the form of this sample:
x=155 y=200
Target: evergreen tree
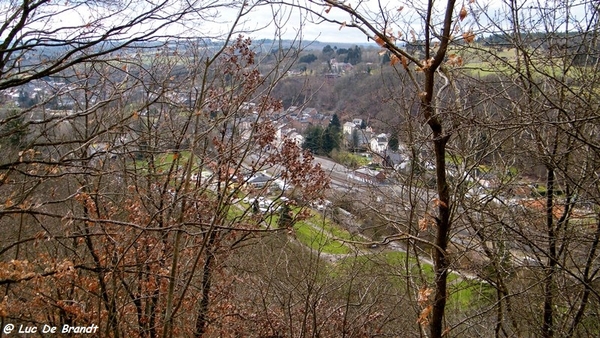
x=393 y=142
x=323 y=141
x=333 y=135
x=354 y=55
x=308 y=58
x=327 y=52
x=355 y=139
x=285 y=218
x=335 y=122
x=341 y=51
x=329 y=141
x=313 y=139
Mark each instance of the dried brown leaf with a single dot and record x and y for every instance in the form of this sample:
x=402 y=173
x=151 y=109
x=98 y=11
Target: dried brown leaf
x=424 y=294
x=463 y=13
x=404 y=62
x=423 y=224
x=437 y=202
x=455 y=60
x=424 y=317
x=469 y=36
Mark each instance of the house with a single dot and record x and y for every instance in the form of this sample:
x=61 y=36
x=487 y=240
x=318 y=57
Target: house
x=259 y=180
x=368 y=175
x=348 y=127
x=310 y=111
x=396 y=159
x=296 y=138
x=340 y=67
x=292 y=111
x=379 y=143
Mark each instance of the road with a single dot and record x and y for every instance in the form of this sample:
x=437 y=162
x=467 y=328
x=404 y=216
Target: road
x=395 y=195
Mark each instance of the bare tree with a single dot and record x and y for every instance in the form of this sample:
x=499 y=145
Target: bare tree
x=551 y=106
x=504 y=131
x=383 y=24
x=125 y=193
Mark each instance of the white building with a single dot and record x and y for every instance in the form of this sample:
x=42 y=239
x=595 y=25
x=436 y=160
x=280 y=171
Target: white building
x=296 y=138
x=379 y=143
x=348 y=127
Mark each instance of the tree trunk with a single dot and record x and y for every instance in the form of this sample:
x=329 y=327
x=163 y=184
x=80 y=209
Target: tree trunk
x=201 y=317
x=547 y=325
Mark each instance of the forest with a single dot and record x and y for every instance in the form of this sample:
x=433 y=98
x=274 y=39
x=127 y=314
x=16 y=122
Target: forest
x=147 y=188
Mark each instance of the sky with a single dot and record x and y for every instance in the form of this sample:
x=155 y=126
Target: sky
x=540 y=12
x=267 y=21
x=291 y=22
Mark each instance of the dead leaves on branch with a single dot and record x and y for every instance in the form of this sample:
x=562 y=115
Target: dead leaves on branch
x=469 y=36
x=386 y=40
x=424 y=316
x=300 y=171
x=380 y=41
x=16 y=270
x=425 y=304
x=425 y=65
x=454 y=60
x=463 y=13
x=423 y=296
x=239 y=54
x=425 y=223
x=429 y=220
x=437 y=203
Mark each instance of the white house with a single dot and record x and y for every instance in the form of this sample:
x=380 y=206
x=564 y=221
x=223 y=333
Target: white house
x=297 y=138
x=340 y=67
x=348 y=127
x=379 y=143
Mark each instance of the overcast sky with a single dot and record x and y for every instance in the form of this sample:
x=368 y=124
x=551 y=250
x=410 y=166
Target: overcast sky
x=268 y=21
x=291 y=23
x=406 y=18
